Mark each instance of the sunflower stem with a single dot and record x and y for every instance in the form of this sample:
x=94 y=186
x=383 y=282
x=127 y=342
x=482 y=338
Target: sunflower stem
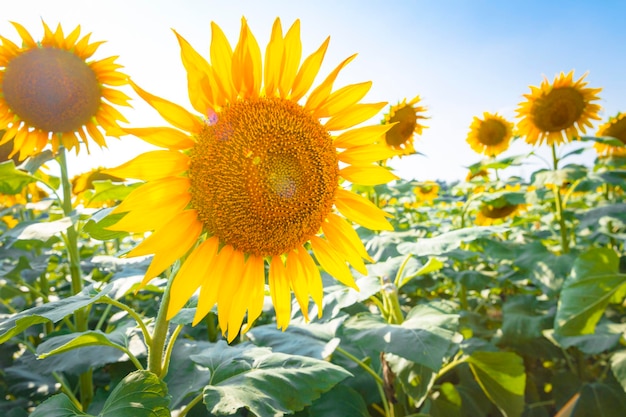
x=559 y=206
x=156 y=349
x=80 y=316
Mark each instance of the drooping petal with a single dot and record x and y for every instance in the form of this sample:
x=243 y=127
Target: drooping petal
x=361 y=211
x=348 y=232
x=153 y=165
x=280 y=292
x=209 y=292
x=313 y=277
x=231 y=284
x=298 y=279
x=332 y=262
x=191 y=275
x=344 y=246
x=254 y=276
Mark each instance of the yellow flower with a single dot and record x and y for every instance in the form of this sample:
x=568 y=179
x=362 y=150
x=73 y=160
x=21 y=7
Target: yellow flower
x=257 y=181
x=491 y=135
x=557 y=112
x=481 y=173
x=51 y=93
x=490 y=214
x=83 y=187
x=426 y=192
x=406 y=118
x=615 y=128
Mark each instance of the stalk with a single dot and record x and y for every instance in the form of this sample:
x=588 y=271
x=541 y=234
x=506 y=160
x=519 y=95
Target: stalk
x=559 y=206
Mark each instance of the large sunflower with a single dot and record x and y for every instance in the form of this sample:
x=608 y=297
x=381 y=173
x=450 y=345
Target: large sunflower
x=51 y=93
x=555 y=113
x=490 y=135
x=256 y=181
x=405 y=118
x=615 y=128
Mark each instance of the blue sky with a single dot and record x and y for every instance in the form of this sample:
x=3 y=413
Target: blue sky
x=461 y=57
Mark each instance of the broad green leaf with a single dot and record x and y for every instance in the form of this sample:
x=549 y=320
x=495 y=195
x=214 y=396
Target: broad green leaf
x=107 y=190
x=50 y=312
x=96 y=227
x=607 y=140
x=561 y=176
x=80 y=340
x=618 y=367
x=416 y=380
x=593 y=283
x=606 y=336
x=591 y=218
x=432 y=265
x=449 y=241
x=41 y=230
x=448 y=403
x=184 y=377
x=502 y=377
x=340 y=401
x=13 y=180
x=338 y=297
x=262 y=381
x=600 y=400
x=139 y=394
x=523 y=319
x=33 y=163
x=315 y=340
x=58 y=405
x=425 y=337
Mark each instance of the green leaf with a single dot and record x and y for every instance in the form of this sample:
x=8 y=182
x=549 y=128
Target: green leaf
x=523 y=319
x=52 y=311
x=340 y=401
x=600 y=400
x=607 y=140
x=449 y=241
x=96 y=227
x=264 y=382
x=618 y=367
x=41 y=230
x=107 y=190
x=591 y=218
x=13 y=180
x=139 y=394
x=558 y=177
x=57 y=406
x=79 y=340
x=502 y=377
x=593 y=283
x=416 y=380
x=448 y=403
x=432 y=265
x=35 y=162
x=425 y=337
x=184 y=377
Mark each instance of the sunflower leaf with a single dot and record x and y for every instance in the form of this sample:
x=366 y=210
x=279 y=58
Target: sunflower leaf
x=139 y=394
x=13 y=180
x=262 y=381
x=58 y=406
x=447 y=242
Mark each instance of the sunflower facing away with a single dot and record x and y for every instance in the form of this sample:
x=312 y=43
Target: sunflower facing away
x=557 y=112
x=490 y=135
x=615 y=128
x=406 y=118
x=51 y=93
x=489 y=214
x=255 y=180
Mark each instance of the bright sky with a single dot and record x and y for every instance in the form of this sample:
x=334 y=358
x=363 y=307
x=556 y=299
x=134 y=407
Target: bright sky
x=462 y=57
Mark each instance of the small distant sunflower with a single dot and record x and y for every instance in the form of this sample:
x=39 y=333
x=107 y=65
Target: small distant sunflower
x=490 y=135
x=426 y=192
x=481 y=173
x=51 y=93
x=615 y=128
x=407 y=117
x=557 y=112
x=256 y=181
x=83 y=187
x=489 y=214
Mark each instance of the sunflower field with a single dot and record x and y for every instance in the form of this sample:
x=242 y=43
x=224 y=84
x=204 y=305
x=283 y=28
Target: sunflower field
x=264 y=259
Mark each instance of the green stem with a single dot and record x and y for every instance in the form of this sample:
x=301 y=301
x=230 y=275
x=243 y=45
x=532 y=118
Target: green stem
x=191 y=404
x=161 y=327
x=397 y=282
x=449 y=366
x=169 y=349
x=80 y=316
x=66 y=389
x=559 y=206
x=133 y=314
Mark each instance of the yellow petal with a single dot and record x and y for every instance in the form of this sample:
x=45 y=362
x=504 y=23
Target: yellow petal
x=254 y=277
x=221 y=59
x=365 y=155
x=246 y=66
x=169 y=243
x=361 y=136
x=361 y=211
x=292 y=53
x=198 y=84
x=153 y=165
x=342 y=99
x=209 y=292
x=164 y=137
x=314 y=278
x=273 y=59
x=308 y=71
x=343 y=245
x=332 y=262
x=322 y=91
x=173 y=113
x=298 y=278
x=367 y=175
x=280 y=292
x=229 y=295
x=357 y=113
x=349 y=233
x=26 y=38
x=191 y=275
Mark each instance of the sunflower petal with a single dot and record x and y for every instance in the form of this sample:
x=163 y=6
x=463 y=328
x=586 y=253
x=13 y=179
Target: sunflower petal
x=254 y=277
x=153 y=165
x=365 y=155
x=344 y=245
x=280 y=292
x=228 y=295
x=368 y=174
x=191 y=275
x=308 y=71
x=353 y=115
x=332 y=262
x=173 y=113
x=26 y=38
x=313 y=277
x=198 y=85
x=292 y=53
x=361 y=211
x=221 y=59
x=273 y=59
x=298 y=278
x=342 y=99
x=164 y=137
x=322 y=91
x=350 y=234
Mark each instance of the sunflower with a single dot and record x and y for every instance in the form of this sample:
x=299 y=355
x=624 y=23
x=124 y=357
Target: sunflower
x=257 y=181
x=615 y=128
x=491 y=135
x=557 y=112
x=405 y=118
x=426 y=192
x=481 y=173
x=489 y=214
x=83 y=188
x=51 y=93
